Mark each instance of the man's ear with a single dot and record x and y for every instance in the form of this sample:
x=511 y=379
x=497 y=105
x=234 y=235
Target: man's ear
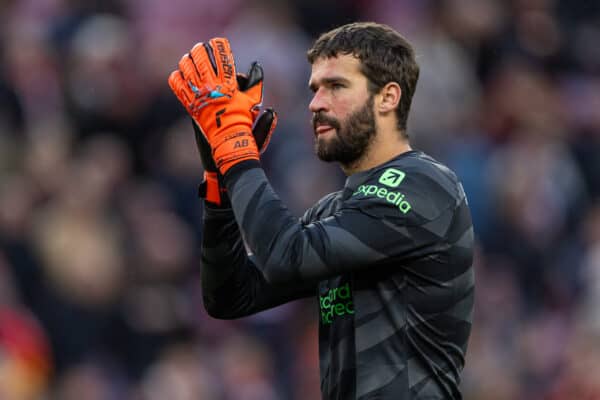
x=389 y=97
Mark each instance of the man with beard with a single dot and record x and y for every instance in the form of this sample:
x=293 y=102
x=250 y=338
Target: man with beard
x=389 y=256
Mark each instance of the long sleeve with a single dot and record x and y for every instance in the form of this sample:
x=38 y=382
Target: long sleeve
x=373 y=225
x=231 y=284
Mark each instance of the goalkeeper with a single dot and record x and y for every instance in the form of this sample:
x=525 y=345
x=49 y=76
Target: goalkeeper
x=389 y=256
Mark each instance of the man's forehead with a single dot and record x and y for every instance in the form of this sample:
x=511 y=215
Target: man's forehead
x=345 y=65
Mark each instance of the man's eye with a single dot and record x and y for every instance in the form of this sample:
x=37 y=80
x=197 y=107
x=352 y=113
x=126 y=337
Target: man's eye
x=336 y=86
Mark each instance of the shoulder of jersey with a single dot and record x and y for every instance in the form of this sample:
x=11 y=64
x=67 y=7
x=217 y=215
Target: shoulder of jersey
x=316 y=210
x=415 y=187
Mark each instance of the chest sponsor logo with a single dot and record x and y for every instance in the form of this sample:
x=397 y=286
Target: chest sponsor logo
x=395 y=198
x=337 y=302
x=392 y=177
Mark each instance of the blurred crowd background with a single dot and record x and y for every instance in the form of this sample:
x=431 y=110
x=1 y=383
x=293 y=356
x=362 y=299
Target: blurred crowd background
x=100 y=224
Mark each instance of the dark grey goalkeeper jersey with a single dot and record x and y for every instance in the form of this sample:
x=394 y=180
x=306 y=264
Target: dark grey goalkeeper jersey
x=389 y=258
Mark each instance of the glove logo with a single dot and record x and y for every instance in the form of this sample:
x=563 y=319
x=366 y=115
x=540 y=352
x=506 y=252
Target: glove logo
x=218 y=116
x=240 y=143
x=215 y=94
x=195 y=89
x=227 y=67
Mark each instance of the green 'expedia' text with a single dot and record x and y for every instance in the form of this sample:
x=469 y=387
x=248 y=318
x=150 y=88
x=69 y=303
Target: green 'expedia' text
x=395 y=198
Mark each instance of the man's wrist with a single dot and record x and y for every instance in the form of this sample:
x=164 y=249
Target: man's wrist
x=234 y=148
x=238 y=169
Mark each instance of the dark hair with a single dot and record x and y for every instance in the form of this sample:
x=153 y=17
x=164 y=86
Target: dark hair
x=385 y=56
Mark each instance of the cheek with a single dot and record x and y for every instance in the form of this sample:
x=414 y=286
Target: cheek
x=344 y=106
x=348 y=103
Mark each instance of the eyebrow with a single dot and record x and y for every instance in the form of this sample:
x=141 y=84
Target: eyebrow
x=328 y=81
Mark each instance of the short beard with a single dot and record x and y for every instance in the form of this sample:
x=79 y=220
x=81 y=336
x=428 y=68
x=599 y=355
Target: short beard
x=352 y=138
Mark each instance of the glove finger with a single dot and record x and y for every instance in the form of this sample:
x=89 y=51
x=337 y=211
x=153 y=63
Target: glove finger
x=203 y=58
x=242 y=81
x=255 y=75
x=264 y=128
x=181 y=88
x=254 y=84
x=189 y=71
x=218 y=55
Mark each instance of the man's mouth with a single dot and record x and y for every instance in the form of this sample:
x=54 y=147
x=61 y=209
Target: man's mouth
x=323 y=128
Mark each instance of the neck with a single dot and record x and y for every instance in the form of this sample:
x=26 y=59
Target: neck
x=382 y=149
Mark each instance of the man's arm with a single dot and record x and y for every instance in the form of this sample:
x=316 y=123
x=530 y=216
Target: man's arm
x=365 y=231
x=232 y=286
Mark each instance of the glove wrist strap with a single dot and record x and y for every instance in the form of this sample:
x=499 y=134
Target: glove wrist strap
x=210 y=190
x=234 y=148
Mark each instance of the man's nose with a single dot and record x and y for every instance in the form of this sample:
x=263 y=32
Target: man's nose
x=318 y=102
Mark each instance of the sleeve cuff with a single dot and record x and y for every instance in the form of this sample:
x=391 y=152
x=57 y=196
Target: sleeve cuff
x=238 y=169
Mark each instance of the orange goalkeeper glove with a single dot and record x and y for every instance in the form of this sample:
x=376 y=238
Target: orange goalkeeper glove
x=206 y=85
x=212 y=188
